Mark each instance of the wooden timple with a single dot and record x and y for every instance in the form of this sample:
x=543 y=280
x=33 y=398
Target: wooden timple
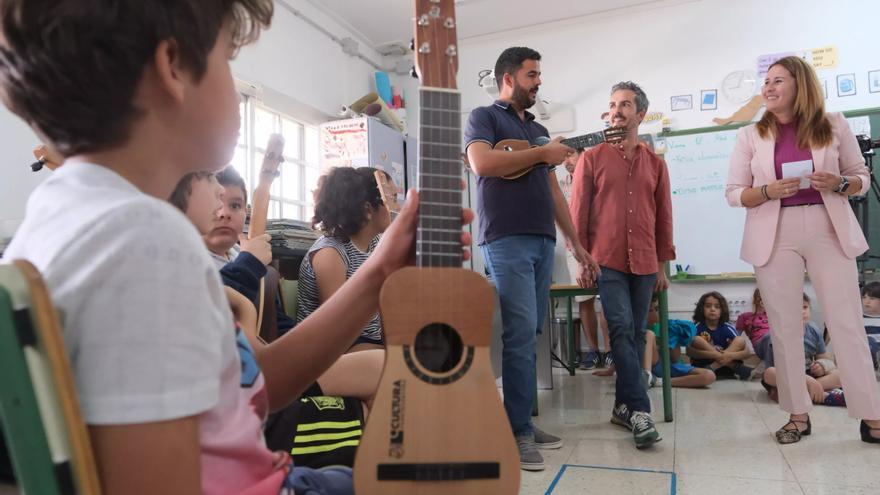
x=437 y=425
x=388 y=191
x=611 y=135
x=47 y=157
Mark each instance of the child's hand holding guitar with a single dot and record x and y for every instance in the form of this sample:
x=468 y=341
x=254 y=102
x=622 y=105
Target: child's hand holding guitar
x=397 y=247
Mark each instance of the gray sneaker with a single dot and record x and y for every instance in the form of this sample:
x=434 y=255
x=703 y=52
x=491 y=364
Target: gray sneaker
x=529 y=457
x=644 y=432
x=620 y=416
x=546 y=441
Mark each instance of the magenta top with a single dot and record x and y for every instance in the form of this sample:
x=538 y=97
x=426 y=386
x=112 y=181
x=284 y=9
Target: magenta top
x=787 y=151
x=754 y=325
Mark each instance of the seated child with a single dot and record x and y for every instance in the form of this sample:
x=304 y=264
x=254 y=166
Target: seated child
x=681 y=332
x=717 y=346
x=350 y=212
x=241 y=266
x=823 y=380
x=754 y=324
x=871 y=308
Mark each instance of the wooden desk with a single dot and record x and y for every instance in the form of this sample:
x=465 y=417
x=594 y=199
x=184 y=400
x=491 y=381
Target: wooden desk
x=569 y=292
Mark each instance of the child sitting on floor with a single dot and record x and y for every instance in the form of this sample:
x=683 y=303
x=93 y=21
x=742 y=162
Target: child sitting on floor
x=718 y=346
x=680 y=334
x=871 y=314
x=754 y=324
x=823 y=381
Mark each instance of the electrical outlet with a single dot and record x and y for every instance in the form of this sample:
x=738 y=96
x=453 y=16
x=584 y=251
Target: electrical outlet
x=739 y=304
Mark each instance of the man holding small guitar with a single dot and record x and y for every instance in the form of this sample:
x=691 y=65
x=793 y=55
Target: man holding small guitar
x=631 y=238
x=516 y=232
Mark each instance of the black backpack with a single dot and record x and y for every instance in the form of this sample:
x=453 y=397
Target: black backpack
x=317 y=430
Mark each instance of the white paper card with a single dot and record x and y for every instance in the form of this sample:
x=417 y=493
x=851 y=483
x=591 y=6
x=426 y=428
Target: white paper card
x=799 y=169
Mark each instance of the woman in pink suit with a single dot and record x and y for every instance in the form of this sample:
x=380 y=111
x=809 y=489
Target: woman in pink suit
x=789 y=229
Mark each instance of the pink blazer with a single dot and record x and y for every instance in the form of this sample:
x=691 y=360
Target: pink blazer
x=751 y=165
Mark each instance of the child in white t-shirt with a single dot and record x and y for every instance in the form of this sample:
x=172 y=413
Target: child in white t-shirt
x=171 y=392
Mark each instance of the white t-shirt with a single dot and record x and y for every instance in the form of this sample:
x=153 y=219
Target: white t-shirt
x=146 y=323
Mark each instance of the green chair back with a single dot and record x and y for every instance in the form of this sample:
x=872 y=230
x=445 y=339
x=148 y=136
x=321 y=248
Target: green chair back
x=39 y=412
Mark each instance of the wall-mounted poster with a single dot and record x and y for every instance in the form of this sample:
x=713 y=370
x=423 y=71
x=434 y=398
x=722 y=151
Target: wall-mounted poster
x=846 y=84
x=682 y=102
x=709 y=99
x=874 y=81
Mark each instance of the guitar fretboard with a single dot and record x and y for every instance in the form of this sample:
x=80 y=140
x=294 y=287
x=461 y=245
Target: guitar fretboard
x=438 y=240
x=585 y=141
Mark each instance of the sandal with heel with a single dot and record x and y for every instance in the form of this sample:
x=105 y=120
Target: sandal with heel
x=786 y=435
x=865 y=430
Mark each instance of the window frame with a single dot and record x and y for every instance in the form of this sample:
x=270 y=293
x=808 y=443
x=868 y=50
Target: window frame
x=295 y=163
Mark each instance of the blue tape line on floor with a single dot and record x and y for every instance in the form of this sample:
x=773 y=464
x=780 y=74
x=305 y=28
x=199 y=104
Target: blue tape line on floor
x=562 y=469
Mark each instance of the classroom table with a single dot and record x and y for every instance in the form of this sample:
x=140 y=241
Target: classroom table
x=569 y=292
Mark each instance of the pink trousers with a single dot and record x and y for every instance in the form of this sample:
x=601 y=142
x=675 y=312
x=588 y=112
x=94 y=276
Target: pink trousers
x=805 y=238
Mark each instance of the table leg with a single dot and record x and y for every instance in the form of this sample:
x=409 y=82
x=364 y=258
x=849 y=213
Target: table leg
x=571 y=350
x=664 y=354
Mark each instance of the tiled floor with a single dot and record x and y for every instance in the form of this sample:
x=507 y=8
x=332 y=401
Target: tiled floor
x=720 y=443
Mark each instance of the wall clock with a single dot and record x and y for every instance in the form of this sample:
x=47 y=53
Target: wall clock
x=739 y=86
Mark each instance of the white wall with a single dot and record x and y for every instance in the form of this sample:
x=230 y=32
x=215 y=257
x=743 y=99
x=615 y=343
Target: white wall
x=681 y=47
x=303 y=64
x=673 y=48
x=302 y=72
x=16 y=179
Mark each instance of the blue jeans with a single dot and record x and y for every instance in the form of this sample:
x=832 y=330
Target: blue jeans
x=520 y=266
x=331 y=480
x=626 y=299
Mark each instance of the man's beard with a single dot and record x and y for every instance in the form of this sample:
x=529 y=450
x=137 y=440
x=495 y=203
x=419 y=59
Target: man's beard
x=521 y=97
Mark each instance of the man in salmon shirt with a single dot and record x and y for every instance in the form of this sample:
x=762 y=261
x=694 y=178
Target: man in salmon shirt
x=622 y=211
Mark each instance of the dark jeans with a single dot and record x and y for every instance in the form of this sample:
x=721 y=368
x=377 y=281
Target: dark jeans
x=626 y=299
x=331 y=480
x=521 y=267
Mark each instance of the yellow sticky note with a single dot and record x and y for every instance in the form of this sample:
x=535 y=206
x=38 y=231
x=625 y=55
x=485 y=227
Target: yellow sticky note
x=825 y=57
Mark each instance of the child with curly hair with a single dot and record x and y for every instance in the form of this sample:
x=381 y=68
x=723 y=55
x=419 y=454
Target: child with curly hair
x=718 y=346
x=350 y=212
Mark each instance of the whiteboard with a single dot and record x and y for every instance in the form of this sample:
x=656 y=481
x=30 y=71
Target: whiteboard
x=707 y=231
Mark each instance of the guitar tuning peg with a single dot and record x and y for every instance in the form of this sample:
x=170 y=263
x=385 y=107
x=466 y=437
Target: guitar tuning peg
x=413 y=73
x=412 y=44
